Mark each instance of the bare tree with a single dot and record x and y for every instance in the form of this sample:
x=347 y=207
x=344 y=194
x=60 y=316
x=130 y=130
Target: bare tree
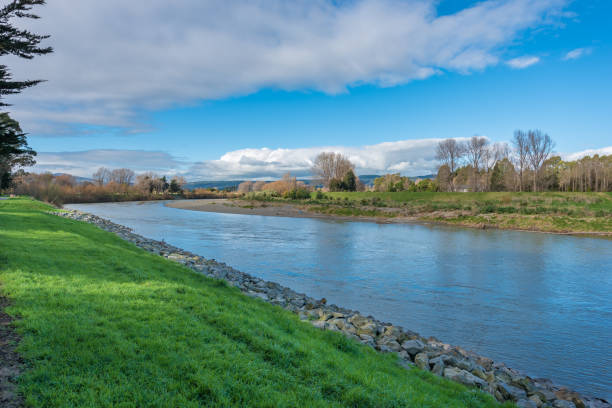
x=259 y=185
x=245 y=187
x=450 y=152
x=539 y=147
x=102 y=176
x=122 y=176
x=330 y=166
x=520 y=149
x=475 y=151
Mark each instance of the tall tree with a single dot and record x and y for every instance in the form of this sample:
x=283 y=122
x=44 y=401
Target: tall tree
x=475 y=151
x=14 y=149
x=539 y=147
x=331 y=166
x=520 y=147
x=450 y=152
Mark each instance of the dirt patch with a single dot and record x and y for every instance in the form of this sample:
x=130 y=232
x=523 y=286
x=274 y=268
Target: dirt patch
x=10 y=363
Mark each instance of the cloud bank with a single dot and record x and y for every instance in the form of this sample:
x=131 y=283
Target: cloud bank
x=408 y=157
x=85 y=163
x=116 y=60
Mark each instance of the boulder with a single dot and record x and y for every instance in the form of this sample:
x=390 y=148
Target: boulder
x=536 y=400
x=413 y=347
x=390 y=342
x=526 y=403
x=368 y=328
x=438 y=369
x=464 y=377
x=422 y=361
x=510 y=392
x=563 y=404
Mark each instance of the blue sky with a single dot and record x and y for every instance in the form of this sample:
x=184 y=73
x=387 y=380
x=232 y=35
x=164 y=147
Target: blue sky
x=210 y=114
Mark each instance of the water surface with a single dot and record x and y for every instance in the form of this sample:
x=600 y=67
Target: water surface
x=540 y=303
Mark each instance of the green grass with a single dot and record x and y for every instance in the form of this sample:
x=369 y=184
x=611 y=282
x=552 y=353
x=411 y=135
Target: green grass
x=104 y=323
x=582 y=204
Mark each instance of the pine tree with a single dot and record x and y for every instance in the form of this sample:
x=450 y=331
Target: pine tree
x=14 y=149
x=19 y=42
x=350 y=181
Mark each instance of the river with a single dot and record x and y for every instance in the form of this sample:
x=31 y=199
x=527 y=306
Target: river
x=540 y=303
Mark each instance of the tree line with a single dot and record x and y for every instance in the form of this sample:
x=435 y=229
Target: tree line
x=528 y=164
x=106 y=185
x=332 y=172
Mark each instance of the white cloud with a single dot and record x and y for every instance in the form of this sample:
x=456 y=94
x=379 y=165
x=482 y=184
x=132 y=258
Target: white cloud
x=523 y=62
x=115 y=60
x=85 y=163
x=408 y=157
x=588 y=152
x=577 y=53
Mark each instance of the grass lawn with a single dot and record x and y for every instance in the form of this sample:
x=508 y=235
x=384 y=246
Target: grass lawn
x=104 y=323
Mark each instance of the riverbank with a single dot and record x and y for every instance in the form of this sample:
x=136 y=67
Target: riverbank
x=453 y=362
x=429 y=354
x=559 y=213
x=104 y=320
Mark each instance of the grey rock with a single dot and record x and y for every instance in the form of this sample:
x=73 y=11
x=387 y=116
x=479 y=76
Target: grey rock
x=438 y=369
x=464 y=377
x=510 y=392
x=525 y=403
x=563 y=404
x=390 y=342
x=421 y=361
x=413 y=346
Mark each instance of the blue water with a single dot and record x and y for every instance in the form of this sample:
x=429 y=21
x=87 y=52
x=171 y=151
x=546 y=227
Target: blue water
x=539 y=303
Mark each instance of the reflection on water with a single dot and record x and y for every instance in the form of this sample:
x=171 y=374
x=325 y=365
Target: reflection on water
x=540 y=303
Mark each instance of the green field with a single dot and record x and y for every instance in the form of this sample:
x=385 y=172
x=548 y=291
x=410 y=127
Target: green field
x=104 y=323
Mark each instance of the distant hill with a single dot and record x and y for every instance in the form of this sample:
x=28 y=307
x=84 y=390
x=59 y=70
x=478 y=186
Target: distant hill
x=367 y=179
x=78 y=179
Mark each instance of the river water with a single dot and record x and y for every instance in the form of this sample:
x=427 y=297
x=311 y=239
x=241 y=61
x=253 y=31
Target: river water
x=539 y=303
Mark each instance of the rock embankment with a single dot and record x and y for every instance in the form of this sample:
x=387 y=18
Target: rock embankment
x=442 y=359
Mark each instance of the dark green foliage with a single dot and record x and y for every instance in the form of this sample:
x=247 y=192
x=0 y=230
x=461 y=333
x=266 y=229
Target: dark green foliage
x=18 y=42
x=175 y=187
x=335 y=185
x=14 y=149
x=350 y=181
x=297 y=194
x=497 y=178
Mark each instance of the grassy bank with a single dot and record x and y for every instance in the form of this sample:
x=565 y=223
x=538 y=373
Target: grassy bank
x=547 y=212
x=103 y=323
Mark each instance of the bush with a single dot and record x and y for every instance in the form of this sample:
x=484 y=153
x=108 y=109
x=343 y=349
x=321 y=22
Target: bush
x=297 y=194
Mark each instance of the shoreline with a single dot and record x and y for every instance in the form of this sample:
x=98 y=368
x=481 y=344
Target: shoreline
x=451 y=362
x=275 y=209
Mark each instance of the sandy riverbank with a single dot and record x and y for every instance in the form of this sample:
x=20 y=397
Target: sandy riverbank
x=271 y=209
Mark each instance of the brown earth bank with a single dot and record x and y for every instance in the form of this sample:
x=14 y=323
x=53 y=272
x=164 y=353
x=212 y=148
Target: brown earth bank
x=385 y=215
x=10 y=363
x=274 y=209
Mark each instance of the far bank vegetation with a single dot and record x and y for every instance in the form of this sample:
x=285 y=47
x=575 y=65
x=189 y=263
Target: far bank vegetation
x=332 y=172
x=106 y=185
